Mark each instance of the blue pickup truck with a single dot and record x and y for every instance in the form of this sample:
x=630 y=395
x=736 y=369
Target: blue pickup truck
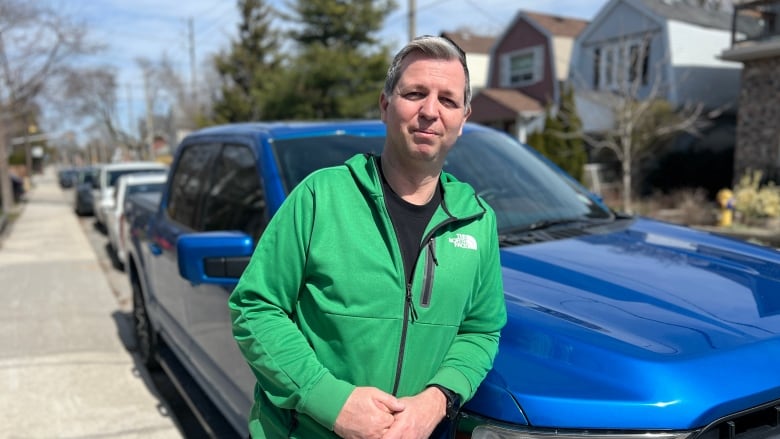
x=618 y=327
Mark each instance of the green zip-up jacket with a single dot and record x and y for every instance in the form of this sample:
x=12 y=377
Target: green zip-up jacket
x=323 y=305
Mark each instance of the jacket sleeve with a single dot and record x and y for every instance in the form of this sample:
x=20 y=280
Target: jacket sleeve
x=471 y=354
x=262 y=309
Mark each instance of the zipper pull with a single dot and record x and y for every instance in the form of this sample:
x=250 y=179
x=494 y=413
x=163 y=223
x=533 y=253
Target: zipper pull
x=432 y=249
x=410 y=303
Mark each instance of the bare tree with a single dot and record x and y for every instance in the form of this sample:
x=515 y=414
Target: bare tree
x=163 y=85
x=92 y=94
x=641 y=117
x=183 y=99
x=639 y=126
x=36 y=44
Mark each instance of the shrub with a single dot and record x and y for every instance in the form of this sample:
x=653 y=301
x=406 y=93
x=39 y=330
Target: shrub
x=752 y=200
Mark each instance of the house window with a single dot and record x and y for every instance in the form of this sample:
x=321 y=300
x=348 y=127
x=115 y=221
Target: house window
x=522 y=67
x=622 y=64
x=609 y=67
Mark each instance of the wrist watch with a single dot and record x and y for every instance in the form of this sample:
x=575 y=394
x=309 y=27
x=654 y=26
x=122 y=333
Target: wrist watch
x=453 y=401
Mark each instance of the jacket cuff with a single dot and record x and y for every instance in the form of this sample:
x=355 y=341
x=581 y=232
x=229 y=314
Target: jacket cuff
x=454 y=380
x=325 y=400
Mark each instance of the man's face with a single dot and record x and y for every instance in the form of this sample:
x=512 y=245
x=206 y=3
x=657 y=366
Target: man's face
x=426 y=112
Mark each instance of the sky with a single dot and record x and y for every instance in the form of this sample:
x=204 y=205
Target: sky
x=131 y=29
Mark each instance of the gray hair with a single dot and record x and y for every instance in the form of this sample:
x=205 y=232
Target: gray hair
x=434 y=47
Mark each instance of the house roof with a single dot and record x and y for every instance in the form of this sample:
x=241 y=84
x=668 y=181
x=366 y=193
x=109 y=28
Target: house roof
x=557 y=25
x=513 y=100
x=470 y=42
x=683 y=10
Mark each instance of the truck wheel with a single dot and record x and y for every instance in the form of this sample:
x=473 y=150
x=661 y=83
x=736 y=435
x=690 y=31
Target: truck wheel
x=145 y=335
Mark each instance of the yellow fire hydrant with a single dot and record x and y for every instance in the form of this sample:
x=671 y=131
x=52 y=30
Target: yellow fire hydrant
x=726 y=201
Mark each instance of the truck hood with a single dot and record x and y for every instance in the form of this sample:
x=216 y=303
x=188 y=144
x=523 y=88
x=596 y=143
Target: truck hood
x=651 y=325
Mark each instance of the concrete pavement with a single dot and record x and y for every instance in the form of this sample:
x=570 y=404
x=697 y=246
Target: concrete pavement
x=64 y=370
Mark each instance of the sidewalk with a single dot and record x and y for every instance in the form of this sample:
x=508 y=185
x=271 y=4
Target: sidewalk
x=64 y=371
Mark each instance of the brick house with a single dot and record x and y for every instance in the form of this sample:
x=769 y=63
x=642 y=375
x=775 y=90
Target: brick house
x=755 y=42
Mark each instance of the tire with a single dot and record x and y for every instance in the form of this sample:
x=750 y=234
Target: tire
x=146 y=340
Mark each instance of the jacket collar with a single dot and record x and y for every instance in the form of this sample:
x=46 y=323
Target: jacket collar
x=459 y=201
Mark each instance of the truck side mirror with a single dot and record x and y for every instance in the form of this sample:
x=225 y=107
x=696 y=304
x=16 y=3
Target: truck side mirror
x=216 y=258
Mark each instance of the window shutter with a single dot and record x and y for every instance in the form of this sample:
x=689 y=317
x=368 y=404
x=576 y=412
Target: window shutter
x=504 y=68
x=538 y=63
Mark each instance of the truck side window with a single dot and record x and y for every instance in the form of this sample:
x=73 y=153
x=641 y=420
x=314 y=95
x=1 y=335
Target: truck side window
x=235 y=200
x=188 y=182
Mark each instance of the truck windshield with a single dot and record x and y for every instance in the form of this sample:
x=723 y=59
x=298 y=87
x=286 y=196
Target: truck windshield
x=522 y=188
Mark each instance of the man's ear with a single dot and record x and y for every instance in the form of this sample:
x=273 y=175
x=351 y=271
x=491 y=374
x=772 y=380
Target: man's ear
x=465 y=119
x=383 y=103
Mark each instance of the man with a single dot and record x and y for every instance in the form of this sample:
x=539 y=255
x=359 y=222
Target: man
x=373 y=303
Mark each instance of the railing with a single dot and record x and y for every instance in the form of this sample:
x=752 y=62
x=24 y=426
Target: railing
x=755 y=21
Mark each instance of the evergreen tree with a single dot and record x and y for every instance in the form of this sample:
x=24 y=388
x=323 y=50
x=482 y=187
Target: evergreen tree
x=250 y=71
x=559 y=140
x=340 y=65
x=577 y=157
x=536 y=141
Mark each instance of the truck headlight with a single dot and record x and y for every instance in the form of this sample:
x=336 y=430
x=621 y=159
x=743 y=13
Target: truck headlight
x=492 y=432
x=480 y=428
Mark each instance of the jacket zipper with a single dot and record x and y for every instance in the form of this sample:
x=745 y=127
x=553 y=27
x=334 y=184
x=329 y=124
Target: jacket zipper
x=410 y=314
x=430 y=264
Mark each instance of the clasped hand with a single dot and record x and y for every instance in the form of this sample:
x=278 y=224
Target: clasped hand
x=370 y=413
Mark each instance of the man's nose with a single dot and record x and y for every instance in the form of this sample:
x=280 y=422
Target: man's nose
x=430 y=107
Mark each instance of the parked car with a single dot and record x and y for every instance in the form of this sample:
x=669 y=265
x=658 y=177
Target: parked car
x=618 y=327
x=126 y=186
x=66 y=177
x=103 y=198
x=84 y=184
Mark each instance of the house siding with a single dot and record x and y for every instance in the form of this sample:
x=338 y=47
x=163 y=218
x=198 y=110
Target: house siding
x=698 y=70
x=562 y=47
x=623 y=23
x=523 y=37
x=758 y=124
x=478 y=70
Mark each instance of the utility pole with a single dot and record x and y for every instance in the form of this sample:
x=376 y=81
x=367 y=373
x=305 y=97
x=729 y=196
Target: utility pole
x=149 y=115
x=412 y=19
x=193 y=87
x=30 y=128
x=5 y=176
x=130 y=116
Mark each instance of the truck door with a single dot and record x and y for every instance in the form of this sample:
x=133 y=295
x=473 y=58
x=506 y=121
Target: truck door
x=234 y=201
x=180 y=214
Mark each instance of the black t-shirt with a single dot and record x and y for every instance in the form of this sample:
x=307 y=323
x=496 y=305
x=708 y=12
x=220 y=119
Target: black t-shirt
x=409 y=221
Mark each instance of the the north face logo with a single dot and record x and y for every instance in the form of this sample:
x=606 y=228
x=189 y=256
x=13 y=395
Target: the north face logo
x=464 y=241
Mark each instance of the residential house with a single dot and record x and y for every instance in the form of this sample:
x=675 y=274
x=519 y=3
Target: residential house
x=662 y=49
x=756 y=44
x=477 y=49
x=528 y=62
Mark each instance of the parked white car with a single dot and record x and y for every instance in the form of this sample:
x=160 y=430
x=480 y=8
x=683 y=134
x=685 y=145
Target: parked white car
x=103 y=198
x=126 y=186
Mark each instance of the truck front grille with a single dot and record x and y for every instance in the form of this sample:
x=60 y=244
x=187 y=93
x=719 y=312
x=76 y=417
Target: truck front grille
x=762 y=422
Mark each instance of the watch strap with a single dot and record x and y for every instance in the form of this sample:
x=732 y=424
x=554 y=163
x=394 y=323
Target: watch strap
x=453 y=401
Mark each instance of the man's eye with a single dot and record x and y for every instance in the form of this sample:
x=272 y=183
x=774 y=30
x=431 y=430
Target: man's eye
x=449 y=103
x=414 y=95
